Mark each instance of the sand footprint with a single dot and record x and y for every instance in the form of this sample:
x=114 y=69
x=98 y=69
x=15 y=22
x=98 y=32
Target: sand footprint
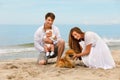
x=10 y=66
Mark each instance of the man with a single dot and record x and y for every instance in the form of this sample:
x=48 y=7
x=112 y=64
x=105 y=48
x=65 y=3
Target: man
x=39 y=40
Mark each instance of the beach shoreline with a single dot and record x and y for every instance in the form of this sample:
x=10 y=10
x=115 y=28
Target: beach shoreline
x=28 y=69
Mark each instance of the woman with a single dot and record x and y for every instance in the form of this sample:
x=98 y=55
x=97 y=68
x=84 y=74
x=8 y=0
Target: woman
x=91 y=48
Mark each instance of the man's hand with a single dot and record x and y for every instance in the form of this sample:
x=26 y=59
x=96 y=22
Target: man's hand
x=47 y=40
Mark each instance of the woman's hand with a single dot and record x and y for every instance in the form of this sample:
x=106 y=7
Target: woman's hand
x=76 y=56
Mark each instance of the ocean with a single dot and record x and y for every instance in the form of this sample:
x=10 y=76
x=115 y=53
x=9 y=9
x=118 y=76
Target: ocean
x=18 y=39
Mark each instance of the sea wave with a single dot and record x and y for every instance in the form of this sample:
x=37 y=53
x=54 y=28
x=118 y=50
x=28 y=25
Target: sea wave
x=29 y=47
x=111 y=40
x=16 y=50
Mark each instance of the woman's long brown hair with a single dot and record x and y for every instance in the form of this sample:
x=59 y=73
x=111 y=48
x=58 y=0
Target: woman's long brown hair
x=74 y=43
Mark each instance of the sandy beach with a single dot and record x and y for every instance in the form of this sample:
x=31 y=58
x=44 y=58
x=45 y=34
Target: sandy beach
x=27 y=69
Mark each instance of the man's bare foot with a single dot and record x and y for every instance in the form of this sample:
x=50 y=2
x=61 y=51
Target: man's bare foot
x=42 y=62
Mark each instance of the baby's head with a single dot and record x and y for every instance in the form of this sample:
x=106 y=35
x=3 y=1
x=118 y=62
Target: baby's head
x=49 y=33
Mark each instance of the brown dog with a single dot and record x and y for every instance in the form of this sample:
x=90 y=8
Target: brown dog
x=67 y=61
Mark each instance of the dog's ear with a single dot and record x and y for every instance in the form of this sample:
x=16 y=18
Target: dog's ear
x=69 y=51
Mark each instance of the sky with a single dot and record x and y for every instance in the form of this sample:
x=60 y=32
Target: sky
x=66 y=11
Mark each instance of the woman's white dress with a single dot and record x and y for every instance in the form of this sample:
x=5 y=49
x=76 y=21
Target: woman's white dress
x=100 y=55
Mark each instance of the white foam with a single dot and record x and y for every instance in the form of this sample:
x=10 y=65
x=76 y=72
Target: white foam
x=15 y=50
x=109 y=40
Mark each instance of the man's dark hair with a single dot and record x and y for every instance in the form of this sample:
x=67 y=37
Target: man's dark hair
x=51 y=15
